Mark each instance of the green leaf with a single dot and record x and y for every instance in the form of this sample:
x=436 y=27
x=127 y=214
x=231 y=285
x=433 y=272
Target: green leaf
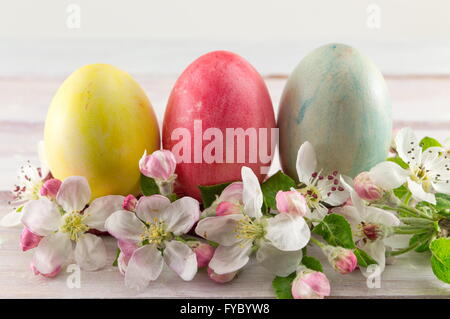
x=336 y=230
x=277 y=182
x=116 y=260
x=401 y=192
x=399 y=161
x=440 y=261
x=210 y=193
x=443 y=204
x=421 y=238
x=148 y=186
x=282 y=286
x=428 y=142
x=364 y=260
x=312 y=263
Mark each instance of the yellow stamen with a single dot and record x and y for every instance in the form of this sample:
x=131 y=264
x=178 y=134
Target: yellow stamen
x=156 y=233
x=249 y=229
x=74 y=226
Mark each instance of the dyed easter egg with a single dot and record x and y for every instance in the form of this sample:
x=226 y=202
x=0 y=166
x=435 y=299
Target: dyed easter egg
x=337 y=99
x=99 y=124
x=219 y=117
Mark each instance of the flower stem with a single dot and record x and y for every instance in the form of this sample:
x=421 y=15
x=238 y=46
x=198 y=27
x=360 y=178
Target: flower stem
x=404 y=250
x=403 y=230
x=317 y=242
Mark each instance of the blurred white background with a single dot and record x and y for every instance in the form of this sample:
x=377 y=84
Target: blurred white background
x=54 y=37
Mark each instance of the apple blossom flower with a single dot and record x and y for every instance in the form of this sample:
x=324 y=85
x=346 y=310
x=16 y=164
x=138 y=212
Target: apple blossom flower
x=160 y=166
x=341 y=259
x=428 y=172
x=229 y=201
x=310 y=284
x=50 y=188
x=154 y=229
x=126 y=251
x=129 y=203
x=366 y=188
x=277 y=240
x=203 y=251
x=318 y=187
x=30 y=180
x=370 y=226
x=63 y=222
x=291 y=202
x=221 y=279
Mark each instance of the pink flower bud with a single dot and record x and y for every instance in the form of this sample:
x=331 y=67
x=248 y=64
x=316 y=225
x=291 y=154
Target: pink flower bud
x=129 y=203
x=159 y=165
x=204 y=253
x=343 y=260
x=52 y=274
x=291 y=202
x=50 y=188
x=310 y=284
x=29 y=240
x=366 y=188
x=228 y=208
x=221 y=279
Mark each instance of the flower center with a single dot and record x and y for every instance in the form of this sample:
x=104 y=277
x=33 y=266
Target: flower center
x=312 y=195
x=420 y=175
x=74 y=226
x=249 y=229
x=156 y=233
x=35 y=191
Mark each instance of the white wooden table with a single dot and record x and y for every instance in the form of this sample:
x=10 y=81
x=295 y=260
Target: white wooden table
x=419 y=102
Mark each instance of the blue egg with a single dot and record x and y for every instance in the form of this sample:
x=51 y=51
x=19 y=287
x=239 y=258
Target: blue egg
x=337 y=99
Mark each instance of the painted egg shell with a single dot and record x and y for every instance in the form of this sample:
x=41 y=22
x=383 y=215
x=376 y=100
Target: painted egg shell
x=337 y=99
x=215 y=102
x=98 y=126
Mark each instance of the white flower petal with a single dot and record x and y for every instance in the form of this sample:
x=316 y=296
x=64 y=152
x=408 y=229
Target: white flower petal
x=306 y=162
x=441 y=187
x=388 y=175
x=407 y=146
x=11 y=219
x=287 y=232
x=419 y=193
x=377 y=251
x=252 y=196
x=149 y=207
x=228 y=259
x=90 y=252
x=74 y=194
x=181 y=215
x=145 y=265
x=181 y=258
x=100 y=209
x=431 y=157
x=125 y=226
x=280 y=263
x=379 y=216
x=41 y=216
x=52 y=252
x=357 y=202
x=220 y=229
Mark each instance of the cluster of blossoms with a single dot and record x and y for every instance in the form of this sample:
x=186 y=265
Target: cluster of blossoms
x=60 y=221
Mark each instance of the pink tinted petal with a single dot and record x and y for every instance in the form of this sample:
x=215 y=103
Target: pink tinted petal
x=74 y=193
x=129 y=203
x=127 y=248
x=50 y=188
x=291 y=202
x=228 y=208
x=49 y=275
x=366 y=188
x=150 y=207
x=221 y=279
x=232 y=193
x=159 y=165
x=204 y=253
x=28 y=240
x=310 y=285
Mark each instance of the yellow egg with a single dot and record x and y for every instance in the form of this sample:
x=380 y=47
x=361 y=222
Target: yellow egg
x=99 y=123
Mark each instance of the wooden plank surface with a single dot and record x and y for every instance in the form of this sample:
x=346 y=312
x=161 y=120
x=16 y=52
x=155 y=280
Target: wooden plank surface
x=419 y=102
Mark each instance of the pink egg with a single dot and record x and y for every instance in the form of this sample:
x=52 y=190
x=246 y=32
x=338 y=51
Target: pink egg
x=219 y=117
